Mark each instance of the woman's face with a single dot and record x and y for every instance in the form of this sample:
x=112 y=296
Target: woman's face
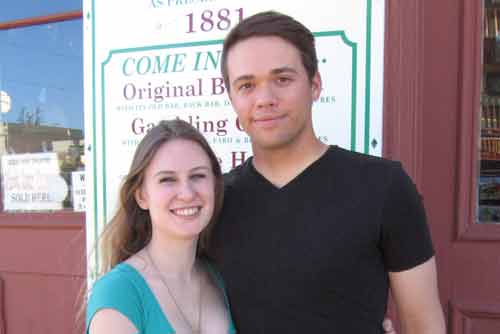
x=178 y=190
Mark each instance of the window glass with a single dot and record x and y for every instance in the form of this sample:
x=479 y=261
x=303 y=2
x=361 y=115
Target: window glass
x=41 y=117
x=21 y=9
x=489 y=178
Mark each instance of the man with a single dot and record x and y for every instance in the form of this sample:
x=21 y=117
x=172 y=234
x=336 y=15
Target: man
x=311 y=236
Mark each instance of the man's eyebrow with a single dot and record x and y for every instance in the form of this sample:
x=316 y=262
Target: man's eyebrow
x=275 y=71
x=284 y=69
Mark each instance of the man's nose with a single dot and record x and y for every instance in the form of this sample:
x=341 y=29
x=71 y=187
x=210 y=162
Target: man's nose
x=265 y=96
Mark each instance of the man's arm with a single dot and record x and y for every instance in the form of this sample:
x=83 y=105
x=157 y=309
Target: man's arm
x=416 y=295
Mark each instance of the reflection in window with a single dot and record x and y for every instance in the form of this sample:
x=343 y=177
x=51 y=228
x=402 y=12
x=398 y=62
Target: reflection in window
x=41 y=117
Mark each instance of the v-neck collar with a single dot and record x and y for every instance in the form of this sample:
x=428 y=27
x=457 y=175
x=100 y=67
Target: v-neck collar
x=156 y=304
x=149 y=291
x=303 y=174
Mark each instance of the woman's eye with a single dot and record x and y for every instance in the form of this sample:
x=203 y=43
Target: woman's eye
x=167 y=179
x=198 y=176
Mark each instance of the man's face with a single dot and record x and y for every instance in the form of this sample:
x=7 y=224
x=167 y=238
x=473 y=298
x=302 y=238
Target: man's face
x=271 y=92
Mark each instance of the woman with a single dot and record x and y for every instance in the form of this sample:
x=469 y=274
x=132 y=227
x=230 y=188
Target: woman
x=155 y=280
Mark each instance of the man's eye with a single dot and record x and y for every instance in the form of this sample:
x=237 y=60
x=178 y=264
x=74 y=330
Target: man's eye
x=245 y=86
x=284 y=80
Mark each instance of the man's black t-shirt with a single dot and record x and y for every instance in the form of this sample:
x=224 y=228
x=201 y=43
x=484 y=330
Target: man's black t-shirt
x=313 y=256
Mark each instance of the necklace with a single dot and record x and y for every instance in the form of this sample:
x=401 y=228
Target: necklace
x=194 y=329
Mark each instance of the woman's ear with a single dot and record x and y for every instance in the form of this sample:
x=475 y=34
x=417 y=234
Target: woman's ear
x=141 y=199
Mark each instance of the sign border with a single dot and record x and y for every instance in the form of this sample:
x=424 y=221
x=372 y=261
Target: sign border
x=91 y=16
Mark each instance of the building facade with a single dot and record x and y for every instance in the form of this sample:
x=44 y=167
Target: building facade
x=441 y=119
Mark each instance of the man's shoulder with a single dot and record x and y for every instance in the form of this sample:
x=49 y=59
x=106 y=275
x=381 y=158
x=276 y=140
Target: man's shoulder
x=237 y=175
x=351 y=161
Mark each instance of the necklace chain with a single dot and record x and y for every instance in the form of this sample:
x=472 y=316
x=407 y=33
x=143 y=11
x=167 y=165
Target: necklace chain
x=194 y=329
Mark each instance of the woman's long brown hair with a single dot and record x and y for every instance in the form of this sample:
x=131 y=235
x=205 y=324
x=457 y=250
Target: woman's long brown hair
x=129 y=230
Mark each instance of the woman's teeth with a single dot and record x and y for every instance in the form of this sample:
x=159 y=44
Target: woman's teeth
x=185 y=212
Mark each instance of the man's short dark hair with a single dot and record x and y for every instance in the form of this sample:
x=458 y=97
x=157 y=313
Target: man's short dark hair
x=271 y=23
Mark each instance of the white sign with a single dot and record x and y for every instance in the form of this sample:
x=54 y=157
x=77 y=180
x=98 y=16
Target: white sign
x=5 y=102
x=78 y=191
x=32 y=182
x=161 y=60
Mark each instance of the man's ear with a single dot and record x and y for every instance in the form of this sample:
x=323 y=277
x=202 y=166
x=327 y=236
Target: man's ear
x=316 y=86
x=140 y=199
x=228 y=93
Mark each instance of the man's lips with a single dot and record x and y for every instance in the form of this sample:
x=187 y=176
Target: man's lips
x=268 y=120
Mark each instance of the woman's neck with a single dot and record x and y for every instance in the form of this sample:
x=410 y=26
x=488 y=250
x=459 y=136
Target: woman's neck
x=175 y=258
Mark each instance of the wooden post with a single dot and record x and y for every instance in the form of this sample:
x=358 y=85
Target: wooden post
x=2 y=319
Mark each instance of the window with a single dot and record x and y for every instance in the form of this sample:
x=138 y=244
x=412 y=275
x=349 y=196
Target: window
x=41 y=114
x=489 y=178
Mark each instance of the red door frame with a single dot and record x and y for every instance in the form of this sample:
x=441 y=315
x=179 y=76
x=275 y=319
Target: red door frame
x=431 y=105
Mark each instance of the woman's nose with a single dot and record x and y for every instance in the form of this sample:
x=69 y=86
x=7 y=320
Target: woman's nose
x=186 y=191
